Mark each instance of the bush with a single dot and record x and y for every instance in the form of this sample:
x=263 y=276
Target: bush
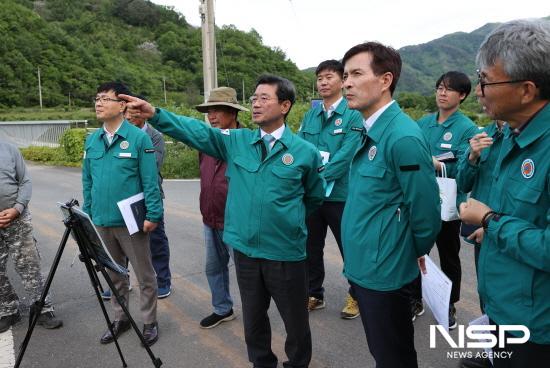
x=48 y=156
x=72 y=142
x=42 y=154
x=180 y=161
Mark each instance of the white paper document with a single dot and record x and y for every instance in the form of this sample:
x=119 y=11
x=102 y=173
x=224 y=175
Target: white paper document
x=330 y=185
x=483 y=321
x=125 y=207
x=436 y=291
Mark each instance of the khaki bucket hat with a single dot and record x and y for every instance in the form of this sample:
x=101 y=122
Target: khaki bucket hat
x=221 y=96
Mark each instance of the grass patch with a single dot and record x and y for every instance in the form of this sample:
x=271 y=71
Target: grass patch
x=180 y=162
x=52 y=113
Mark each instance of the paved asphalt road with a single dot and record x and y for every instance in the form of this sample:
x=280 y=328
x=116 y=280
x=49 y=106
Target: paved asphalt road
x=337 y=343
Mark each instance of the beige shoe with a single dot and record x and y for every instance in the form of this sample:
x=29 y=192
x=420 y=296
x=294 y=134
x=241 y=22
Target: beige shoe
x=351 y=309
x=313 y=303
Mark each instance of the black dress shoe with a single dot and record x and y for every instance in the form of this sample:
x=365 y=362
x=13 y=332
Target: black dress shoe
x=475 y=362
x=8 y=321
x=150 y=333
x=118 y=328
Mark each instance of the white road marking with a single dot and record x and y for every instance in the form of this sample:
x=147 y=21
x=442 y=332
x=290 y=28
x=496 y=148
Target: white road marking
x=7 y=353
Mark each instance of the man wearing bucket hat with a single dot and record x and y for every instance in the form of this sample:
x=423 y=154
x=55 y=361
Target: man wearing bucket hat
x=222 y=110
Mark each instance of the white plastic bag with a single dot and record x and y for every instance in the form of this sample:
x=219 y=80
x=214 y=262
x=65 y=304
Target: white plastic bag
x=447 y=193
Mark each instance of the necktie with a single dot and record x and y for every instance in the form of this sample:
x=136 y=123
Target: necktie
x=268 y=139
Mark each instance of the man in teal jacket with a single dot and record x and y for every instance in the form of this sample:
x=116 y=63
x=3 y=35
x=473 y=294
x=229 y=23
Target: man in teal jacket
x=447 y=132
x=392 y=212
x=274 y=183
x=475 y=171
x=119 y=162
x=335 y=130
x=474 y=175
x=514 y=262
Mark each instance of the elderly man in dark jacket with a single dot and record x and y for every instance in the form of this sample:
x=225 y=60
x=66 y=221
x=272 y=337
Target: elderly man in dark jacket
x=222 y=110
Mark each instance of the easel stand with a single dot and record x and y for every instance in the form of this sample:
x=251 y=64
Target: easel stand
x=72 y=223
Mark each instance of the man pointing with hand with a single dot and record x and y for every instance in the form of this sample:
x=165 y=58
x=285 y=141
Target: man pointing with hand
x=274 y=183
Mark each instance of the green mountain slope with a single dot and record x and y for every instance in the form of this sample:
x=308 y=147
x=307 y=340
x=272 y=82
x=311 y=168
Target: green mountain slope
x=423 y=64
x=79 y=43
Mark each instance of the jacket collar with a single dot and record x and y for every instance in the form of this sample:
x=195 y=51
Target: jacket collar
x=447 y=123
x=340 y=109
x=121 y=132
x=379 y=127
x=286 y=138
x=536 y=128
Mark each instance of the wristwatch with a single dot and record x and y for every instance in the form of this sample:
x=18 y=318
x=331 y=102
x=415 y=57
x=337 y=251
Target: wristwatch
x=491 y=215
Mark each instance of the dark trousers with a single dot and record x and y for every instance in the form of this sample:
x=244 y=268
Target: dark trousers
x=448 y=246
x=160 y=255
x=386 y=317
x=328 y=215
x=259 y=281
x=524 y=355
x=477 y=249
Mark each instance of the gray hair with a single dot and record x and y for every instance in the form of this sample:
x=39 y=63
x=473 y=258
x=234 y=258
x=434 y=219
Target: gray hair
x=523 y=48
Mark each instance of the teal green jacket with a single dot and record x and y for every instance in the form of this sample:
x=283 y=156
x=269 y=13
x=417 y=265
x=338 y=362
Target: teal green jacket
x=453 y=135
x=392 y=213
x=514 y=262
x=116 y=172
x=267 y=201
x=340 y=135
x=476 y=178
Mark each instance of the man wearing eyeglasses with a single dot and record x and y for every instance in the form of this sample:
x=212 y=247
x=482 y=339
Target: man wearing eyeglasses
x=119 y=162
x=514 y=260
x=447 y=132
x=274 y=183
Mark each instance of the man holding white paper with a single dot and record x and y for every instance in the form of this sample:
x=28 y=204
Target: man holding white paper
x=447 y=133
x=119 y=162
x=335 y=130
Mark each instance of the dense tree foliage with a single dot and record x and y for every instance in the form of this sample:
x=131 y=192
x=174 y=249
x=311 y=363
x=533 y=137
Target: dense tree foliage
x=78 y=44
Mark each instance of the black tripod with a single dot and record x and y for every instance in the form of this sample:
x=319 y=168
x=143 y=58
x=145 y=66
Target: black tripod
x=87 y=254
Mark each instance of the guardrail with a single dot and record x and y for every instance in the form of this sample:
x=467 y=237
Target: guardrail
x=36 y=133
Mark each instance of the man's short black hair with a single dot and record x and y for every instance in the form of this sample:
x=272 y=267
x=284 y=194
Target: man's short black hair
x=385 y=59
x=331 y=65
x=457 y=81
x=118 y=88
x=285 y=88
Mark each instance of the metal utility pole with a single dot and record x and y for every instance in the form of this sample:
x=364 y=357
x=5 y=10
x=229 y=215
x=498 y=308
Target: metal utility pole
x=39 y=89
x=164 y=86
x=209 y=65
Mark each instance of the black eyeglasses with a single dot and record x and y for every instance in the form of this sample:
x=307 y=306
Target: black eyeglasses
x=104 y=100
x=483 y=84
x=263 y=99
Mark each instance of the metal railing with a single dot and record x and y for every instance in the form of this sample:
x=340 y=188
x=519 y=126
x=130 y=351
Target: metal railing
x=36 y=133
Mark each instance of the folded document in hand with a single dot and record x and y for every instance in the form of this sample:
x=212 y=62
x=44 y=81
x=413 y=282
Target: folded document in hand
x=133 y=212
x=446 y=157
